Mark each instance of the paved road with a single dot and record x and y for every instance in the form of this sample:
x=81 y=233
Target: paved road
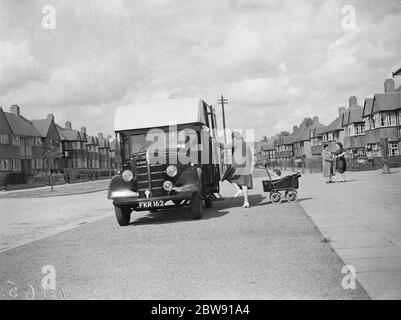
x=266 y=252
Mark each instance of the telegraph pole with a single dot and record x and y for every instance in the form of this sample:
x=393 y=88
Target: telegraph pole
x=223 y=101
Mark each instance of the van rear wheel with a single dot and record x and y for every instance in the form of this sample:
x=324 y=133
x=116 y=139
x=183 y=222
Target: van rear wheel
x=123 y=215
x=196 y=206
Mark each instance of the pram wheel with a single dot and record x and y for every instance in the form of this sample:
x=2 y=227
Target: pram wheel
x=276 y=197
x=291 y=196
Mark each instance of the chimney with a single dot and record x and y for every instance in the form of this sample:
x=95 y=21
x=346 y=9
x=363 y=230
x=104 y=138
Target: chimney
x=294 y=128
x=100 y=135
x=316 y=119
x=341 y=111
x=389 y=86
x=83 y=130
x=50 y=116
x=15 y=110
x=68 y=125
x=353 y=101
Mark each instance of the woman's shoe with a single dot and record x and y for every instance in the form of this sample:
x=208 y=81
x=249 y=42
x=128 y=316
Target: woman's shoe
x=246 y=205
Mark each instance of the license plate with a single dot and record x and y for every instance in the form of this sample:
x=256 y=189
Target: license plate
x=151 y=204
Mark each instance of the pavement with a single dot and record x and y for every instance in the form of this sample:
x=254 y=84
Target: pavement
x=59 y=190
x=265 y=252
x=361 y=219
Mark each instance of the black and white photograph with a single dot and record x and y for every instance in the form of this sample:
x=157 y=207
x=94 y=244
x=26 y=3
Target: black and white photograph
x=206 y=153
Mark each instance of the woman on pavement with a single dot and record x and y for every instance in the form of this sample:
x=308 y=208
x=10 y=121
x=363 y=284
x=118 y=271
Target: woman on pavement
x=341 y=163
x=328 y=160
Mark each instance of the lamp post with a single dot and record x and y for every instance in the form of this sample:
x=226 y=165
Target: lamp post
x=223 y=101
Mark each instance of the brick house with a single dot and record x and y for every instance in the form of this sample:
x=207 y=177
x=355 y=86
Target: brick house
x=29 y=159
x=354 y=128
x=316 y=140
x=265 y=152
x=51 y=143
x=104 y=151
x=10 y=156
x=92 y=147
x=284 y=147
x=334 y=132
x=73 y=147
x=115 y=155
x=302 y=141
x=382 y=116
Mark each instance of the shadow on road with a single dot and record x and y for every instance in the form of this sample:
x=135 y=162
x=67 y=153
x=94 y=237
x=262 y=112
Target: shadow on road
x=220 y=209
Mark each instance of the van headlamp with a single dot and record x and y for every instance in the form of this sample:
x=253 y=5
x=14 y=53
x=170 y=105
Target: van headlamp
x=127 y=175
x=172 y=171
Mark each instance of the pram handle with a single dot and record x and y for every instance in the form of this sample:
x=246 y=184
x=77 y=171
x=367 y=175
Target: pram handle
x=267 y=171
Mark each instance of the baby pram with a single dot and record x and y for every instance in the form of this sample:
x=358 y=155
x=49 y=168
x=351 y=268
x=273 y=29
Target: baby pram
x=288 y=185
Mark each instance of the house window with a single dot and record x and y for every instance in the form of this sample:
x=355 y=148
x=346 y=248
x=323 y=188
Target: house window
x=391 y=119
x=4 y=139
x=384 y=119
x=377 y=122
x=394 y=149
x=359 y=129
x=16 y=141
x=37 y=163
x=3 y=164
x=37 y=142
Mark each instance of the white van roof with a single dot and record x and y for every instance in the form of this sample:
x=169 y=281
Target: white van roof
x=159 y=114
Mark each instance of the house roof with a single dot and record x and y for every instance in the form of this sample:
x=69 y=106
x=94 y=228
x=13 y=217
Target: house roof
x=103 y=142
x=386 y=102
x=304 y=132
x=42 y=125
x=367 y=108
x=316 y=132
x=353 y=115
x=336 y=125
x=21 y=126
x=91 y=141
x=397 y=73
x=267 y=145
x=69 y=135
x=288 y=139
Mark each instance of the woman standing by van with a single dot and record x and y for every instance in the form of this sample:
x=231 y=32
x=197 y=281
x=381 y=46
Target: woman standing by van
x=240 y=173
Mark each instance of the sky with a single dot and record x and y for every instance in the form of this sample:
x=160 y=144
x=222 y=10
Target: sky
x=275 y=61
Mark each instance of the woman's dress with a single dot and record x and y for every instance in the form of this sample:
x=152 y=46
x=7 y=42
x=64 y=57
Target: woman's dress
x=341 y=163
x=242 y=162
x=327 y=163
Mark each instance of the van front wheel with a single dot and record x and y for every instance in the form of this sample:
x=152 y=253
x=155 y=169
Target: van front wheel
x=123 y=215
x=196 y=206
